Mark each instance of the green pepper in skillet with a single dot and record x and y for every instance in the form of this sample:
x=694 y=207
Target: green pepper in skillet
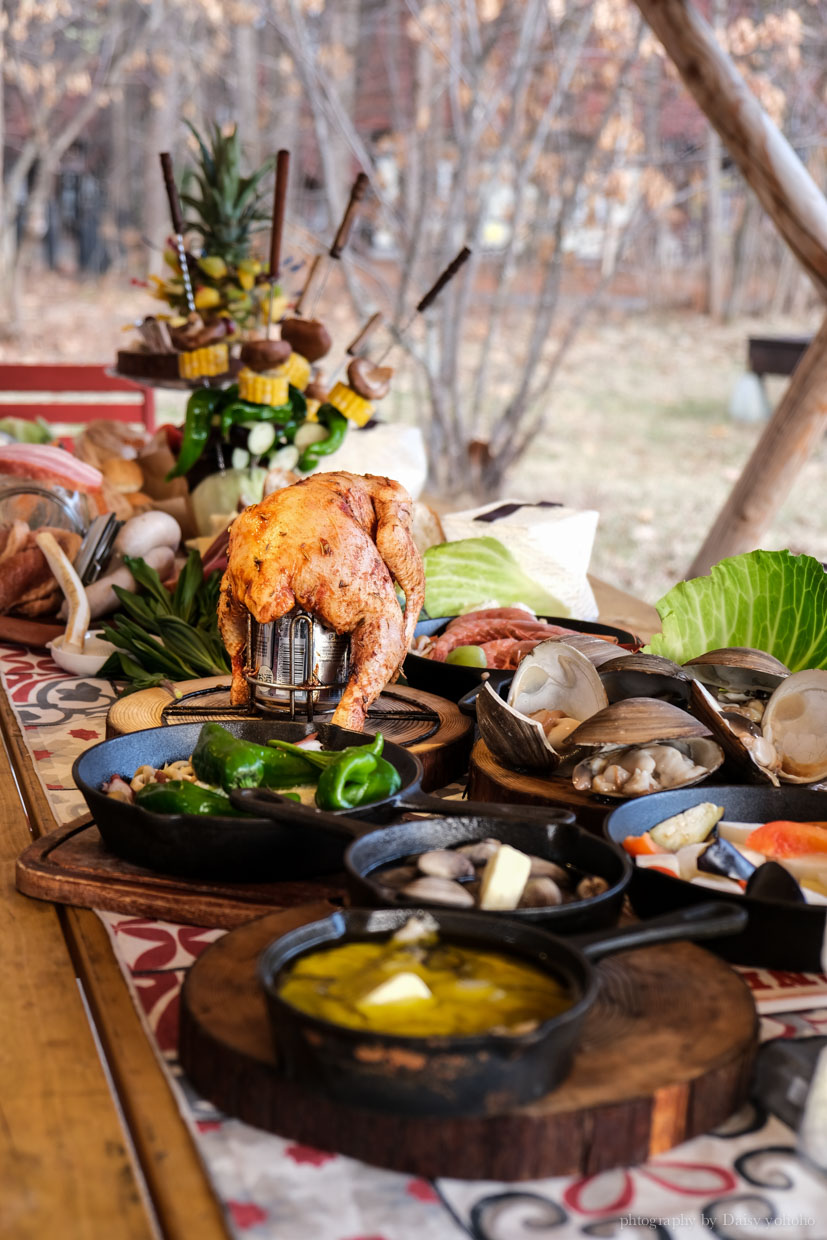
x=181 y=796
x=356 y=778
x=223 y=759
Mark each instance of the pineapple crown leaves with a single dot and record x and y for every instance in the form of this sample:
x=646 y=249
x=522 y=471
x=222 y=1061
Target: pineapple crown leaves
x=230 y=205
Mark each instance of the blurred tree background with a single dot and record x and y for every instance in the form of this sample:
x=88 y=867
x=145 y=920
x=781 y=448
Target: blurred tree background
x=552 y=136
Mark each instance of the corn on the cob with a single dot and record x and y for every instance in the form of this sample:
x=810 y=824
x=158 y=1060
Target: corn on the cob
x=351 y=404
x=313 y=407
x=273 y=389
x=297 y=370
x=213 y=359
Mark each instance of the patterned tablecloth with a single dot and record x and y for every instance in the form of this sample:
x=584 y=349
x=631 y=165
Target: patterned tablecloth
x=744 y=1181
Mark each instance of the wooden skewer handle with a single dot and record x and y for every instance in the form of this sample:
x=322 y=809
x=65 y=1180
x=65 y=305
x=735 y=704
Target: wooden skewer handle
x=279 y=201
x=360 y=188
x=448 y=274
x=172 y=193
x=372 y=323
x=311 y=276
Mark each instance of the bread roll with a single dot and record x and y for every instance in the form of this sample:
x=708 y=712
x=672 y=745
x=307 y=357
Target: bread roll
x=124 y=476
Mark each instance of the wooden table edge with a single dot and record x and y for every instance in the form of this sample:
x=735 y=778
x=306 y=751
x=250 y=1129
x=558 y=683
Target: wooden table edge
x=181 y=1193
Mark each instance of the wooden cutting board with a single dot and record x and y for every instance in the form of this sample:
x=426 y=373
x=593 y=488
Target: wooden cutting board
x=489 y=780
x=71 y=865
x=666 y=1053
x=429 y=726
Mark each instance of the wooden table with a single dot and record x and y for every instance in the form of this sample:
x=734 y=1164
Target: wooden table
x=89 y=1151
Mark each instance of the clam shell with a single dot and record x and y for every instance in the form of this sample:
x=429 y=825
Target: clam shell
x=738 y=668
x=795 y=723
x=596 y=650
x=645 y=675
x=702 y=750
x=735 y=735
x=554 y=676
x=636 y=721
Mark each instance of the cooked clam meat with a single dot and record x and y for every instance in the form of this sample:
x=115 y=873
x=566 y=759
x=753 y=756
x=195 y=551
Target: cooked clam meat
x=637 y=771
x=557 y=725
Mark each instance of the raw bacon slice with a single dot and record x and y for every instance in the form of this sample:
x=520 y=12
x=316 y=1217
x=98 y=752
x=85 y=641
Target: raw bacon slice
x=479 y=632
x=506 y=652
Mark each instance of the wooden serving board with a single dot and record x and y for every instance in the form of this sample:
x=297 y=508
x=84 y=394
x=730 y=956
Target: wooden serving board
x=71 y=865
x=35 y=633
x=402 y=714
x=489 y=780
x=666 y=1054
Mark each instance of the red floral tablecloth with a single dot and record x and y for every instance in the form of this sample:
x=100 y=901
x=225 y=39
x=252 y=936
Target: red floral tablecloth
x=742 y=1182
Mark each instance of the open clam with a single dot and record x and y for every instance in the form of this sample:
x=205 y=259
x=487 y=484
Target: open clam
x=789 y=745
x=554 y=689
x=645 y=675
x=643 y=745
x=795 y=724
x=596 y=649
x=738 y=671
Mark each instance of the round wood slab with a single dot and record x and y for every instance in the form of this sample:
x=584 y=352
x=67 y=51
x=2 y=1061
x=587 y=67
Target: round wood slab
x=666 y=1054
x=431 y=727
x=489 y=780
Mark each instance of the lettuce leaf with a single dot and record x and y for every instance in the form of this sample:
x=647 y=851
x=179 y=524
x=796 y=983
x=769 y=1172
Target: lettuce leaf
x=770 y=600
x=461 y=575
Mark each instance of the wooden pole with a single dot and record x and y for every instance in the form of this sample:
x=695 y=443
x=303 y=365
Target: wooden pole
x=769 y=164
x=795 y=428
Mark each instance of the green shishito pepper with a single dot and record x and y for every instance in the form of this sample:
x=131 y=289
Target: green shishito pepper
x=180 y=796
x=223 y=759
x=245 y=411
x=201 y=407
x=336 y=424
x=349 y=777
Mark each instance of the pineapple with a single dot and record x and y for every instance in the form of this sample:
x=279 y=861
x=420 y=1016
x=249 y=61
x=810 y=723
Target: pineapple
x=223 y=208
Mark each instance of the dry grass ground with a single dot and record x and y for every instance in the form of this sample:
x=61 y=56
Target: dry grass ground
x=638 y=425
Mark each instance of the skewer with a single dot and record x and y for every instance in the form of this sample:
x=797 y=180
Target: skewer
x=357 y=193
x=428 y=299
x=177 y=226
x=279 y=201
x=357 y=341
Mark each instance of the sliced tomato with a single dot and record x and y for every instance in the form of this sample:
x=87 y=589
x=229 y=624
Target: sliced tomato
x=641 y=845
x=788 y=839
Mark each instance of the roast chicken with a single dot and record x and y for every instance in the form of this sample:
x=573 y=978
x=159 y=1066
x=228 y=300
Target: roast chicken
x=333 y=543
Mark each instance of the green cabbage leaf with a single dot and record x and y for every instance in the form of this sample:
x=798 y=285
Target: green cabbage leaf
x=770 y=600
x=462 y=575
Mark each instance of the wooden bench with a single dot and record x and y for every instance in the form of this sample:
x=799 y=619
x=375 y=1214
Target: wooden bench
x=73 y=393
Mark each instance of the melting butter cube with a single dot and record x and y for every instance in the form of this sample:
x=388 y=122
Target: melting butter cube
x=399 y=989
x=503 y=879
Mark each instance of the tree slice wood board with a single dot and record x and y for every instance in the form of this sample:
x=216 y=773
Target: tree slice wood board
x=489 y=780
x=35 y=633
x=431 y=727
x=666 y=1054
x=72 y=865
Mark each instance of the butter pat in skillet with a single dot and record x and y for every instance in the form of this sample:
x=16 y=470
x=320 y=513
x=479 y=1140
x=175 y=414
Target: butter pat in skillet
x=503 y=879
x=400 y=989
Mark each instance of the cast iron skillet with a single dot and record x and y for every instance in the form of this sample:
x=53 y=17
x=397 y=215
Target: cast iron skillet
x=256 y=848
x=483 y=1074
x=562 y=843
x=453 y=681
x=779 y=934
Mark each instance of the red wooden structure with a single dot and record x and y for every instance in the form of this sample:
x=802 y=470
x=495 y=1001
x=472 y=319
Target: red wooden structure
x=73 y=393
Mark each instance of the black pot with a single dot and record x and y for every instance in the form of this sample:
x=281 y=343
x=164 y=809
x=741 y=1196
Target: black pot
x=562 y=843
x=300 y=843
x=453 y=681
x=779 y=934
x=484 y=1074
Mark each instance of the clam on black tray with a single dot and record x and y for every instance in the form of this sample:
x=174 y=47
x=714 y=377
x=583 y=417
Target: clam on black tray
x=780 y=933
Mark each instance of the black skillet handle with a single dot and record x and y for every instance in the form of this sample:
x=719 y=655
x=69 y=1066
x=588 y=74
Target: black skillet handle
x=696 y=921
x=422 y=803
x=266 y=803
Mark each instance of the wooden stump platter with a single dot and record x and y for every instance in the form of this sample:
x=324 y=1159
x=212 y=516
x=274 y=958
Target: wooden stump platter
x=489 y=780
x=71 y=865
x=431 y=727
x=666 y=1054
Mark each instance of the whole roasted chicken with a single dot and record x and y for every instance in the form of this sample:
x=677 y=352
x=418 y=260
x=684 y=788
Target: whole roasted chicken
x=333 y=543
